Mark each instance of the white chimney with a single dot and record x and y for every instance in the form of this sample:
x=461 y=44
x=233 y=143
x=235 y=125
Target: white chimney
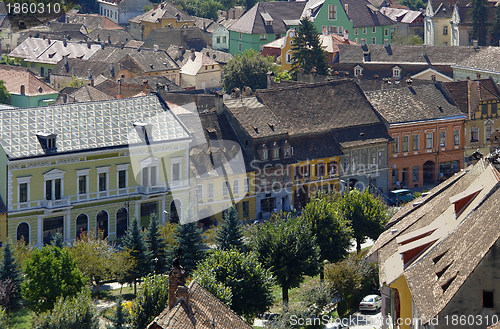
x=156 y=48
x=346 y=35
x=363 y=42
x=386 y=42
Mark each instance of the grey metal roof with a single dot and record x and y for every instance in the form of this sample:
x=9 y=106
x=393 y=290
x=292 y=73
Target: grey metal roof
x=86 y=126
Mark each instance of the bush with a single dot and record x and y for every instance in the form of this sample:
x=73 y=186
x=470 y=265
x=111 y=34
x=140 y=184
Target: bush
x=4 y=319
x=72 y=312
x=150 y=302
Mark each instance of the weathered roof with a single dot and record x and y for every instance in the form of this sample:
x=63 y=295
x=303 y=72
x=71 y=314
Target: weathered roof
x=364 y=14
x=30 y=48
x=252 y=21
x=203 y=310
x=220 y=57
x=164 y=10
x=315 y=147
x=414 y=103
x=205 y=24
x=187 y=37
x=91 y=21
x=361 y=135
x=319 y=107
x=117 y=37
x=80 y=68
x=429 y=55
x=401 y=15
x=57 y=49
x=468 y=94
x=15 y=76
x=133 y=86
x=73 y=36
x=193 y=67
x=329 y=42
x=84 y=126
x=486 y=59
x=86 y=93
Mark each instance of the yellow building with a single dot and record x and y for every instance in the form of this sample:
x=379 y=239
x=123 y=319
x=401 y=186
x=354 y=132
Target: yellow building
x=72 y=168
x=437 y=26
x=161 y=16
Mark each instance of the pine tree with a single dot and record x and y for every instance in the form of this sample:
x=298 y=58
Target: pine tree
x=479 y=14
x=495 y=30
x=308 y=53
x=134 y=242
x=191 y=249
x=9 y=269
x=57 y=240
x=156 y=245
x=229 y=234
x=118 y=321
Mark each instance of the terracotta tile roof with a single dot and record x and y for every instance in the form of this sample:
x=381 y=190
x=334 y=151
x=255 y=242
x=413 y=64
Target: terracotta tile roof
x=468 y=94
x=15 y=76
x=164 y=10
x=92 y=21
x=414 y=103
x=485 y=59
x=204 y=311
x=280 y=11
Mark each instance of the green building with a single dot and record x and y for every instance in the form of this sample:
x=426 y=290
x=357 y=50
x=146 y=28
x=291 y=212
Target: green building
x=263 y=23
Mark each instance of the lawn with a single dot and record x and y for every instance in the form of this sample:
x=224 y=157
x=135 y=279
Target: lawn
x=126 y=292
x=294 y=294
x=20 y=319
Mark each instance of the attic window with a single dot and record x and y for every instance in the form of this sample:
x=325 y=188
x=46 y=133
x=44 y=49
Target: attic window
x=267 y=18
x=80 y=57
x=438 y=257
x=144 y=130
x=47 y=141
x=52 y=55
x=462 y=200
x=256 y=129
x=271 y=126
x=439 y=274
x=448 y=283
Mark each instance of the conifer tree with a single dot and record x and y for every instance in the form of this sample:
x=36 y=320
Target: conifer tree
x=229 y=234
x=191 y=248
x=9 y=269
x=156 y=245
x=495 y=30
x=134 y=242
x=118 y=321
x=479 y=14
x=308 y=53
x=57 y=240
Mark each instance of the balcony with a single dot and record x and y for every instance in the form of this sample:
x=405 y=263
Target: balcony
x=151 y=189
x=49 y=204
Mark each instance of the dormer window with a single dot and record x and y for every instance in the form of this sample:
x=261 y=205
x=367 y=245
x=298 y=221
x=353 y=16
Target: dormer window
x=144 y=130
x=396 y=72
x=287 y=151
x=357 y=71
x=462 y=200
x=47 y=141
x=267 y=18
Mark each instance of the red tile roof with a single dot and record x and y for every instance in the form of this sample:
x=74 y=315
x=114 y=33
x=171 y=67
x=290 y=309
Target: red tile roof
x=15 y=76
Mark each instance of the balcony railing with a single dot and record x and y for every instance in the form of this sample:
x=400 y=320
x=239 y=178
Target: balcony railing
x=49 y=204
x=152 y=189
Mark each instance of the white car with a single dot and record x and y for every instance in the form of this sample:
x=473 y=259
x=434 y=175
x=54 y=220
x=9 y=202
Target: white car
x=370 y=303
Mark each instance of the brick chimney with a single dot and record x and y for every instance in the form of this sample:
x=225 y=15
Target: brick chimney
x=119 y=93
x=144 y=85
x=193 y=55
x=176 y=285
x=22 y=91
x=375 y=79
x=155 y=6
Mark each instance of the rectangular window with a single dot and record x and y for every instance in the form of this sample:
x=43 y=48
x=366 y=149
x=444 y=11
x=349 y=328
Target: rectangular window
x=240 y=35
x=239 y=46
x=445 y=30
x=484 y=109
x=394 y=176
x=210 y=190
x=245 y=208
x=406 y=142
x=199 y=192
x=428 y=141
x=374 y=29
x=176 y=171
x=82 y=184
x=145 y=176
x=218 y=39
x=416 y=145
x=246 y=185
x=236 y=186
x=225 y=188
x=442 y=139
x=276 y=153
x=286 y=152
x=374 y=41
x=48 y=190
x=356 y=31
x=395 y=145
x=488 y=299
x=122 y=179
x=262 y=180
x=23 y=192
x=153 y=176
x=263 y=36
x=332 y=12
x=57 y=189
x=285 y=175
x=102 y=182
x=264 y=155
x=364 y=30
x=415 y=173
x=321 y=169
x=456 y=137
x=474 y=134
x=386 y=32
x=488 y=132
x=493 y=109
x=332 y=168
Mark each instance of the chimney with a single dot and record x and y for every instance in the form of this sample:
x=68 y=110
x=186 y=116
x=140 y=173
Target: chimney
x=48 y=40
x=91 y=82
x=112 y=69
x=102 y=45
x=144 y=85
x=346 y=35
x=162 y=5
x=360 y=77
x=155 y=6
x=474 y=44
x=138 y=48
x=409 y=82
x=109 y=39
x=123 y=45
x=176 y=287
x=88 y=44
x=452 y=2
x=386 y=43
x=156 y=48
x=65 y=60
x=22 y=90
x=98 y=38
x=375 y=79
x=89 y=73
x=478 y=76
x=433 y=78
x=270 y=79
x=65 y=98
x=247 y=91
x=363 y=42
x=119 y=93
x=424 y=51
x=193 y=54
x=65 y=43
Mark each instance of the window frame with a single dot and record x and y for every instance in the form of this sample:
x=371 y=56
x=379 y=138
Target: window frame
x=431 y=139
x=405 y=147
x=456 y=136
x=442 y=138
x=23 y=180
x=395 y=144
x=210 y=190
x=332 y=12
x=82 y=173
x=103 y=170
x=416 y=146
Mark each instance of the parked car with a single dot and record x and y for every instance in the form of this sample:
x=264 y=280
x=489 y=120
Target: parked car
x=401 y=196
x=370 y=303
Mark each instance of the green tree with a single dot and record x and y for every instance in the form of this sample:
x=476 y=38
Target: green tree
x=289 y=249
x=4 y=318
x=57 y=240
x=8 y=60
x=332 y=231
x=76 y=82
x=156 y=245
x=133 y=241
x=75 y=312
x=249 y=283
x=209 y=9
x=495 y=30
x=308 y=53
x=401 y=39
x=248 y=69
x=146 y=8
x=479 y=15
x=229 y=234
x=366 y=213
x=4 y=93
x=51 y=273
x=150 y=302
x=9 y=270
x=191 y=249
x=119 y=320
x=414 y=4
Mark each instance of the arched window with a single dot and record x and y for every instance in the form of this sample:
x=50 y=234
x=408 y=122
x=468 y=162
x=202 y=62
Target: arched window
x=82 y=224
x=121 y=222
x=175 y=210
x=102 y=222
x=23 y=232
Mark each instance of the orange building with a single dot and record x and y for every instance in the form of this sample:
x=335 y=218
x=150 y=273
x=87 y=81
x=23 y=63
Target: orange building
x=427 y=132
